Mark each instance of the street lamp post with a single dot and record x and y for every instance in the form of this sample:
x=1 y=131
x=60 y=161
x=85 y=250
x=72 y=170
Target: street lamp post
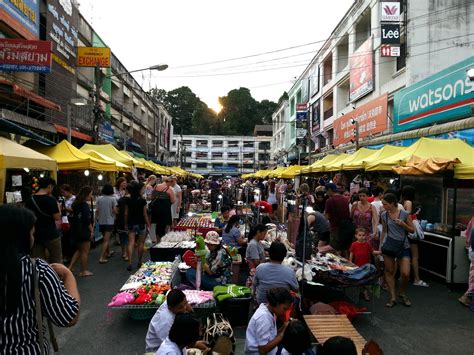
x=356 y=132
x=98 y=86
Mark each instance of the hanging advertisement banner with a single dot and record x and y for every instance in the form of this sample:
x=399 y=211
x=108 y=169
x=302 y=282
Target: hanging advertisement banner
x=445 y=96
x=390 y=33
x=390 y=11
x=389 y=50
x=21 y=16
x=93 y=56
x=21 y=55
x=362 y=71
x=372 y=118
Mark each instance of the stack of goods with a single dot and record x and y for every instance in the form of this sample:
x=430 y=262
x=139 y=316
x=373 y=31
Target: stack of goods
x=202 y=223
x=333 y=269
x=200 y=299
x=147 y=287
x=182 y=239
x=276 y=232
x=222 y=293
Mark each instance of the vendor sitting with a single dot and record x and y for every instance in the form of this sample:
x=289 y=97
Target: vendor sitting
x=163 y=319
x=231 y=235
x=222 y=220
x=217 y=268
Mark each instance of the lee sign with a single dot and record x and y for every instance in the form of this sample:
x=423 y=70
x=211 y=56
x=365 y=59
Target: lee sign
x=390 y=34
x=442 y=97
x=93 y=56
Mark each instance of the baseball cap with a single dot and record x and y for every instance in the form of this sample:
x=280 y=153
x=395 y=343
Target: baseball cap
x=331 y=186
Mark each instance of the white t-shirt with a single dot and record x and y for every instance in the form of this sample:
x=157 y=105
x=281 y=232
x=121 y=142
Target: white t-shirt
x=159 y=328
x=177 y=189
x=170 y=348
x=260 y=331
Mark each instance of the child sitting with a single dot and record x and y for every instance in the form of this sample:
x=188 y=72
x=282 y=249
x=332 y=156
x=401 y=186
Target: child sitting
x=360 y=253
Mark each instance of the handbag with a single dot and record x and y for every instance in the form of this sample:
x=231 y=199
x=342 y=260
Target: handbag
x=418 y=234
x=392 y=247
x=39 y=316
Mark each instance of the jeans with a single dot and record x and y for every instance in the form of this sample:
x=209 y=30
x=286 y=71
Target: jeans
x=207 y=282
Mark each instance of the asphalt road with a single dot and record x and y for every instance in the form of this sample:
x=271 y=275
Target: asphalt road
x=435 y=324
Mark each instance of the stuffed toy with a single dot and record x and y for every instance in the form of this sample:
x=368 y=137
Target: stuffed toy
x=201 y=249
x=121 y=299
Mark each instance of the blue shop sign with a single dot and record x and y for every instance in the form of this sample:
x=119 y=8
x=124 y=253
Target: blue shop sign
x=225 y=168
x=24 y=15
x=445 y=96
x=106 y=132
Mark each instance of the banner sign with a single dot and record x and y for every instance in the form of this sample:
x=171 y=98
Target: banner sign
x=302 y=107
x=106 y=132
x=390 y=11
x=93 y=56
x=390 y=33
x=372 y=118
x=25 y=56
x=22 y=16
x=388 y=50
x=362 y=71
x=445 y=96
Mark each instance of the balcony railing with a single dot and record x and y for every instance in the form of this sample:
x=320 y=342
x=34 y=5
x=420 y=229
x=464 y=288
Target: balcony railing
x=328 y=113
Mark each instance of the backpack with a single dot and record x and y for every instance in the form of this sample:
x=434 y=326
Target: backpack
x=219 y=334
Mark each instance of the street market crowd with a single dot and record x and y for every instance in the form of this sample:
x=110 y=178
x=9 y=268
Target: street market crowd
x=46 y=242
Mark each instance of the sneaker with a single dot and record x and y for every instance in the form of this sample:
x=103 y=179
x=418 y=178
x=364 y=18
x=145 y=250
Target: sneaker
x=129 y=267
x=421 y=283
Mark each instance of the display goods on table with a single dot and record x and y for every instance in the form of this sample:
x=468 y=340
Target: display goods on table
x=276 y=232
x=177 y=239
x=200 y=223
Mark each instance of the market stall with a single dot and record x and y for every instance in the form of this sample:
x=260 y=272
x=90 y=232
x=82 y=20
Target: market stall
x=172 y=244
x=199 y=223
x=17 y=167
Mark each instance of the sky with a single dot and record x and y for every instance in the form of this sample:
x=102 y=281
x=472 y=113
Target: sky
x=187 y=33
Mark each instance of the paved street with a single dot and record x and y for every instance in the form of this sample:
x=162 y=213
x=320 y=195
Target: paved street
x=436 y=324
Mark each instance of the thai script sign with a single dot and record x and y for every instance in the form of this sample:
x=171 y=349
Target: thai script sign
x=25 y=56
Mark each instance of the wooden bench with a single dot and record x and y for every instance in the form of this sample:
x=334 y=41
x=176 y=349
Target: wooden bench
x=327 y=326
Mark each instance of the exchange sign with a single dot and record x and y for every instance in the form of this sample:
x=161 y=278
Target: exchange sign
x=92 y=56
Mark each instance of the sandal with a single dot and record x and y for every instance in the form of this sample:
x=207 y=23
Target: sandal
x=103 y=261
x=111 y=254
x=464 y=301
x=391 y=304
x=421 y=283
x=405 y=300
x=85 y=274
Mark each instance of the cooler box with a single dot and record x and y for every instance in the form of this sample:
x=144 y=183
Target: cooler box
x=237 y=310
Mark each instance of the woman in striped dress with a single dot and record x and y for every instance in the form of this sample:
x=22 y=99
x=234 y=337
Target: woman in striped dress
x=57 y=287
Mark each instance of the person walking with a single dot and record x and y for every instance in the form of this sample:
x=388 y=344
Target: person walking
x=365 y=215
x=160 y=207
x=106 y=210
x=46 y=209
x=82 y=230
x=150 y=187
x=395 y=247
x=407 y=199
x=120 y=189
x=23 y=281
x=136 y=221
x=467 y=298
x=176 y=205
x=272 y=195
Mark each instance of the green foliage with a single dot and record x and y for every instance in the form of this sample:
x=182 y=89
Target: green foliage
x=239 y=115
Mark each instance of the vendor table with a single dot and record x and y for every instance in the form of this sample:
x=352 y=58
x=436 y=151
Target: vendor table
x=200 y=223
x=324 y=327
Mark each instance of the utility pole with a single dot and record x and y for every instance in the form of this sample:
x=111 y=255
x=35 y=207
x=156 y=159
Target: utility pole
x=356 y=132
x=308 y=123
x=97 y=111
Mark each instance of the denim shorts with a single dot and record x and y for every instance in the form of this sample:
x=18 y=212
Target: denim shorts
x=406 y=254
x=138 y=229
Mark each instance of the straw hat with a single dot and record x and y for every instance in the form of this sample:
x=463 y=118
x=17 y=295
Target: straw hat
x=212 y=237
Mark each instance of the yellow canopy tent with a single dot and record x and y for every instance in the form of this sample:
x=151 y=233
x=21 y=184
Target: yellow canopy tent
x=136 y=162
x=425 y=148
x=274 y=173
x=290 y=172
x=120 y=166
x=323 y=167
x=110 y=151
x=465 y=170
x=385 y=152
x=69 y=157
x=361 y=154
x=262 y=173
x=16 y=156
x=326 y=160
x=419 y=166
x=161 y=170
x=176 y=170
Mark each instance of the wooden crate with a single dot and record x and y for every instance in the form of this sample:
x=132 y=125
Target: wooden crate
x=324 y=327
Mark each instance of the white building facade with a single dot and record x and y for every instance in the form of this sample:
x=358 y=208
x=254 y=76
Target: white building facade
x=351 y=78
x=221 y=155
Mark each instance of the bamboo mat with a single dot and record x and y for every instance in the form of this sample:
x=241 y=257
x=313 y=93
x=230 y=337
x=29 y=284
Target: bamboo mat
x=326 y=326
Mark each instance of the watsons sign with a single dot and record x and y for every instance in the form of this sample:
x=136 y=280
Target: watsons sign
x=445 y=96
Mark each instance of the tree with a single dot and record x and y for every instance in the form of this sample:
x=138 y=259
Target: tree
x=239 y=112
x=205 y=120
x=283 y=97
x=159 y=95
x=266 y=109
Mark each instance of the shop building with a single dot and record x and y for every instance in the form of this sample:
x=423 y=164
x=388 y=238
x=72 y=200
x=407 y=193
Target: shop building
x=377 y=54
x=43 y=104
x=223 y=155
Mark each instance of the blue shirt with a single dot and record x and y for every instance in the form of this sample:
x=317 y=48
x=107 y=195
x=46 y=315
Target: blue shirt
x=230 y=238
x=269 y=275
x=261 y=330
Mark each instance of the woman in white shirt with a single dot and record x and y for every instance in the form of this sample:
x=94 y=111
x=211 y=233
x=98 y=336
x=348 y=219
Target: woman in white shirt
x=262 y=336
x=184 y=333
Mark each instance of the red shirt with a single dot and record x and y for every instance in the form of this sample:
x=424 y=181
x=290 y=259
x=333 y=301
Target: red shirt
x=266 y=207
x=362 y=252
x=337 y=207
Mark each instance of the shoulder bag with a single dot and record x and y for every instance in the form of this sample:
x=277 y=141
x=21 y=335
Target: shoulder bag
x=39 y=316
x=392 y=247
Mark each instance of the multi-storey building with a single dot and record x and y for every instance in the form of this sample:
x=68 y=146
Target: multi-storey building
x=279 y=145
x=37 y=105
x=223 y=155
x=351 y=85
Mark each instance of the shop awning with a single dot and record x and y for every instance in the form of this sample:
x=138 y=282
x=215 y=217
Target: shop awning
x=69 y=157
x=16 y=156
x=312 y=168
x=323 y=167
x=465 y=170
x=290 y=172
x=19 y=91
x=419 y=166
x=277 y=171
x=27 y=121
x=425 y=148
x=343 y=164
x=135 y=161
x=110 y=151
x=7 y=126
x=74 y=133
x=120 y=166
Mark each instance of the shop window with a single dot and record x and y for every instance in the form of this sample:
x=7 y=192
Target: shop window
x=363 y=28
x=217 y=155
x=201 y=165
x=402 y=60
x=233 y=144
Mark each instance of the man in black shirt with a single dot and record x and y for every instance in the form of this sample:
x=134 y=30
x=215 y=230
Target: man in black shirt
x=46 y=209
